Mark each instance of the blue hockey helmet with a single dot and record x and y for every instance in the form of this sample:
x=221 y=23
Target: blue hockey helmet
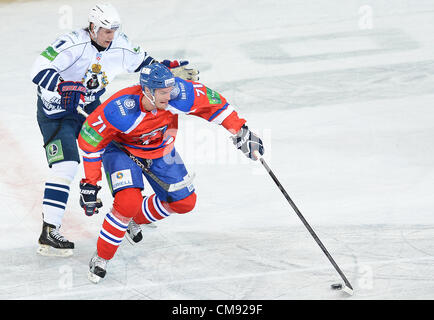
x=156 y=76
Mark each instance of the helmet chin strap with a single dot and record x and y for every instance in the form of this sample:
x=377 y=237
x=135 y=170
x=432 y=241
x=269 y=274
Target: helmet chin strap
x=93 y=32
x=151 y=101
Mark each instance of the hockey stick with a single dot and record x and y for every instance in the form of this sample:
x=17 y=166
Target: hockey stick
x=166 y=186
x=347 y=287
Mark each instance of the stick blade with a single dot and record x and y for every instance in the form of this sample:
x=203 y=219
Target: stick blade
x=343 y=287
x=348 y=290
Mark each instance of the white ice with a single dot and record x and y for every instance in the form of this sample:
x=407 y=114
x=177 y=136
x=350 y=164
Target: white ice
x=341 y=91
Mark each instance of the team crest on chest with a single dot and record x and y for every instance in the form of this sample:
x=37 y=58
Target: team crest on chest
x=95 y=78
x=151 y=137
x=96 y=68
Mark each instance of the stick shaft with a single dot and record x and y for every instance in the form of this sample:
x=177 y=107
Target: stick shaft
x=306 y=224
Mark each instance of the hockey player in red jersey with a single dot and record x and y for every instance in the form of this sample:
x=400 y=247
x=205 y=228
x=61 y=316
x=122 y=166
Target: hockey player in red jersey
x=143 y=119
x=75 y=70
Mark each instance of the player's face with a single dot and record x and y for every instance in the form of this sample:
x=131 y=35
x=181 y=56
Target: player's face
x=162 y=97
x=104 y=37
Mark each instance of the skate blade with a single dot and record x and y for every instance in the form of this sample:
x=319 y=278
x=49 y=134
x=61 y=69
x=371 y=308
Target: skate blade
x=93 y=277
x=127 y=235
x=48 y=251
x=148 y=226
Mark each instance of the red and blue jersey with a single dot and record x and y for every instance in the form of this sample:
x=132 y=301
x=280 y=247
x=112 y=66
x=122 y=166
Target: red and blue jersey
x=149 y=134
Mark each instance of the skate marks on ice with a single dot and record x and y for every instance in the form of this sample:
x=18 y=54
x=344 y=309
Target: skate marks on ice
x=353 y=84
x=381 y=261
x=391 y=81
x=329 y=46
x=285 y=263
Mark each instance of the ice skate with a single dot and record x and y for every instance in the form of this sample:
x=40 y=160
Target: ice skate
x=97 y=268
x=52 y=243
x=149 y=225
x=134 y=233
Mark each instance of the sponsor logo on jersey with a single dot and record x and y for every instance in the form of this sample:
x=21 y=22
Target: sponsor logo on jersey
x=213 y=97
x=129 y=103
x=49 y=53
x=54 y=151
x=90 y=135
x=121 y=179
x=121 y=108
x=183 y=92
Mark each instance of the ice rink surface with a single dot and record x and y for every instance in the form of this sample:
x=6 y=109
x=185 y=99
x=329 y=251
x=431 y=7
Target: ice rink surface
x=341 y=91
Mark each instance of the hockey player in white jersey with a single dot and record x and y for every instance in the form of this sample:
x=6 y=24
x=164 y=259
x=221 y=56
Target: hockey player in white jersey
x=75 y=70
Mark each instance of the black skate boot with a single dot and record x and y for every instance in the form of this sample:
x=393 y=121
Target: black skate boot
x=97 y=268
x=52 y=243
x=134 y=232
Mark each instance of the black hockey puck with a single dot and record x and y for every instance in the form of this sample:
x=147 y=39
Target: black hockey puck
x=336 y=286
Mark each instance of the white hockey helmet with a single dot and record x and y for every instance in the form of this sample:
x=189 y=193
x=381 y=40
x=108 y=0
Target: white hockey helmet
x=104 y=16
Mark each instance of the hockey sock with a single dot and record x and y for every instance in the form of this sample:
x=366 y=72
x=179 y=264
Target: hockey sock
x=152 y=211
x=56 y=191
x=112 y=232
x=54 y=203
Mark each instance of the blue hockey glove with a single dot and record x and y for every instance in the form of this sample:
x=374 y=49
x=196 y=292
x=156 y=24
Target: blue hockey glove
x=88 y=198
x=179 y=70
x=248 y=142
x=71 y=92
x=174 y=63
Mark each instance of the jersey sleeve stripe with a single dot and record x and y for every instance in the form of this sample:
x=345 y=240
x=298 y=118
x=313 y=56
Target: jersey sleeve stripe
x=222 y=115
x=53 y=82
x=147 y=61
x=91 y=159
x=215 y=114
x=47 y=78
x=42 y=75
x=96 y=154
x=136 y=123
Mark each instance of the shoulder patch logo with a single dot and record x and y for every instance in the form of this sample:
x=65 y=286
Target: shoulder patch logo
x=213 y=96
x=49 y=53
x=129 y=103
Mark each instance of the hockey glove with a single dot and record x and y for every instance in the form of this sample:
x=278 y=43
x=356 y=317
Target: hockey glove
x=71 y=92
x=88 y=199
x=248 y=142
x=179 y=70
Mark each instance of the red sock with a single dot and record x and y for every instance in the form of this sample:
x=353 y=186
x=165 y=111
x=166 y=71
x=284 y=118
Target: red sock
x=125 y=206
x=152 y=210
x=110 y=237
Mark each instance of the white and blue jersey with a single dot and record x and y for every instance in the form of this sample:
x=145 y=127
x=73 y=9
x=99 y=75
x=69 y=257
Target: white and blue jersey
x=73 y=57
